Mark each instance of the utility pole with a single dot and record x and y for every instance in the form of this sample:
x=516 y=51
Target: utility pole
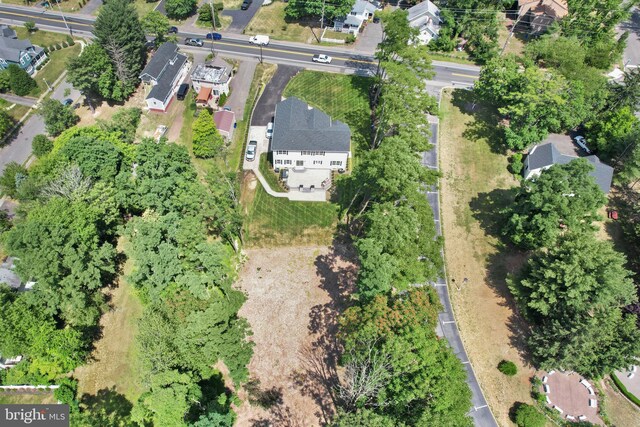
x=513 y=28
x=261 y=53
x=213 y=24
x=63 y=18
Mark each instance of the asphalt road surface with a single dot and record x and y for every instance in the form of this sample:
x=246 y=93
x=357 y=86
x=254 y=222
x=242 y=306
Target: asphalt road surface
x=241 y=18
x=632 y=52
x=272 y=94
x=275 y=52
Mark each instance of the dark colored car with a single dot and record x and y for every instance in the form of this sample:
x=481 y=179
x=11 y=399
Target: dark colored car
x=67 y=102
x=150 y=44
x=246 y=4
x=214 y=36
x=193 y=42
x=173 y=30
x=182 y=91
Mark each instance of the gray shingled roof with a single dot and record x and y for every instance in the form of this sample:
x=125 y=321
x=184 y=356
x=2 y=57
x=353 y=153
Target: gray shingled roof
x=545 y=155
x=424 y=8
x=10 y=48
x=298 y=128
x=165 y=53
x=6 y=31
x=165 y=83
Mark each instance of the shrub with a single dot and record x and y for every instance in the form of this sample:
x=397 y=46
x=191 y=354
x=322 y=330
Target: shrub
x=529 y=416
x=222 y=99
x=70 y=40
x=30 y=26
x=515 y=166
x=508 y=368
x=41 y=145
x=218 y=7
x=66 y=393
x=350 y=39
x=284 y=27
x=65 y=44
x=10 y=180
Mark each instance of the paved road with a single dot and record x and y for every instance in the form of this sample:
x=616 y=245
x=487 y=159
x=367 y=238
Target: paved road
x=160 y=7
x=29 y=102
x=266 y=106
x=481 y=414
x=344 y=60
x=241 y=18
x=632 y=52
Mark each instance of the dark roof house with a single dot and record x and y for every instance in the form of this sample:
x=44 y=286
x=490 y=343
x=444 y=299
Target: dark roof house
x=165 y=71
x=298 y=127
x=543 y=156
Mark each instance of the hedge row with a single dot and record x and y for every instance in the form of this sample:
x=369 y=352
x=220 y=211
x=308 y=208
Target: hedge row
x=632 y=397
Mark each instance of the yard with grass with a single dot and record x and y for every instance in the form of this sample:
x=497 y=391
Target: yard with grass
x=56 y=66
x=266 y=169
x=277 y=221
x=65 y=5
x=16 y=111
x=11 y=398
x=270 y=20
x=40 y=37
x=474 y=187
x=343 y=97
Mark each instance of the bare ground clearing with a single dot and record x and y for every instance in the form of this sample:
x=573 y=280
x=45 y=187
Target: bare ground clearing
x=474 y=186
x=295 y=295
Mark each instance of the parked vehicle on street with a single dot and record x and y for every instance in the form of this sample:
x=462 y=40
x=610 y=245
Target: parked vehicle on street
x=214 y=36
x=173 y=30
x=193 y=42
x=259 y=39
x=582 y=143
x=246 y=4
x=321 y=58
x=252 y=147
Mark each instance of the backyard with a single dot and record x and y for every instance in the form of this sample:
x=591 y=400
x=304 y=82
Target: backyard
x=475 y=185
x=270 y=20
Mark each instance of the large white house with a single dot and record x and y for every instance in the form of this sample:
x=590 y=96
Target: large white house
x=361 y=11
x=164 y=73
x=425 y=17
x=307 y=141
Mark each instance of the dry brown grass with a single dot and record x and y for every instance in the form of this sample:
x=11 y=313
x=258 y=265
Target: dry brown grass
x=473 y=188
x=294 y=297
x=621 y=412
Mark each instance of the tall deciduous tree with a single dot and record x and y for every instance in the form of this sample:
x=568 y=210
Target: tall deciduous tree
x=119 y=32
x=573 y=295
x=297 y=9
x=57 y=117
x=20 y=82
x=156 y=24
x=563 y=197
x=207 y=141
x=180 y=9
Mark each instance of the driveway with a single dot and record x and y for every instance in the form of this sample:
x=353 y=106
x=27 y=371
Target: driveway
x=240 y=84
x=367 y=42
x=632 y=51
x=266 y=106
x=241 y=18
x=160 y=7
x=91 y=7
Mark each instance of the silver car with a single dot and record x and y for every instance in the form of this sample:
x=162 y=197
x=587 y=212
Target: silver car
x=252 y=148
x=582 y=143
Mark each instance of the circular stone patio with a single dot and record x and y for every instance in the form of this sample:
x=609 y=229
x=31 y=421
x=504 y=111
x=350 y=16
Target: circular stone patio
x=571 y=395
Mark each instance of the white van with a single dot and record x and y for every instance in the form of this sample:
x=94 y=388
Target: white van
x=259 y=40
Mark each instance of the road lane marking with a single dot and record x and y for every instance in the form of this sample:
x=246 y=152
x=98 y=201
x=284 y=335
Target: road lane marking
x=465 y=75
x=45 y=18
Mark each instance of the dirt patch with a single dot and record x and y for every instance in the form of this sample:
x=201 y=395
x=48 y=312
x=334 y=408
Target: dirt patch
x=295 y=295
x=475 y=186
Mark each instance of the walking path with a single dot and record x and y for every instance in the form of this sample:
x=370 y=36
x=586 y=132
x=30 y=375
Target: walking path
x=481 y=413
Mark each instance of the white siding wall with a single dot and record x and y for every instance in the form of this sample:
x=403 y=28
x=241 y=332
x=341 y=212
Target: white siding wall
x=221 y=88
x=290 y=159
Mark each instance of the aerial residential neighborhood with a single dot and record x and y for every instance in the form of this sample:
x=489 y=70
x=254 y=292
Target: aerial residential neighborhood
x=294 y=213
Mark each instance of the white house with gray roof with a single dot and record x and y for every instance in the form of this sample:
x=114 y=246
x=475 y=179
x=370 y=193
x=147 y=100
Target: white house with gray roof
x=543 y=156
x=164 y=73
x=210 y=80
x=425 y=17
x=20 y=52
x=307 y=139
x=360 y=12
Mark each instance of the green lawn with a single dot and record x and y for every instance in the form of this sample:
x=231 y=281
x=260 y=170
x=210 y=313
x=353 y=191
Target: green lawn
x=8 y=398
x=16 y=112
x=269 y=175
x=40 y=37
x=56 y=65
x=270 y=20
x=343 y=97
x=275 y=221
x=65 y=5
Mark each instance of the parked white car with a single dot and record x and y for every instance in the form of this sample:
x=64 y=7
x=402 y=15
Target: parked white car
x=259 y=40
x=582 y=143
x=323 y=59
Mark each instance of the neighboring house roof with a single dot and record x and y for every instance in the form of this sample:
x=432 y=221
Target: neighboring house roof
x=224 y=120
x=362 y=6
x=164 y=84
x=422 y=10
x=351 y=20
x=553 y=8
x=217 y=71
x=10 y=49
x=166 y=53
x=298 y=127
x=543 y=156
x=6 y=31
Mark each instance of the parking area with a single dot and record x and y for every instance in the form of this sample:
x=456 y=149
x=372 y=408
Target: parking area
x=266 y=106
x=256 y=133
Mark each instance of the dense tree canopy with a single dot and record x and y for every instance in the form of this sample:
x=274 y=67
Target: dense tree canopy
x=180 y=9
x=207 y=141
x=156 y=24
x=57 y=117
x=563 y=197
x=297 y=9
x=20 y=82
x=573 y=295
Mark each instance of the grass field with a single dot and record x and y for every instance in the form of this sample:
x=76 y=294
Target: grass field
x=275 y=221
x=37 y=399
x=56 y=66
x=40 y=37
x=16 y=112
x=475 y=185
x=65 y=5
x=270 y=20
x=343 y=97
x=269 y=175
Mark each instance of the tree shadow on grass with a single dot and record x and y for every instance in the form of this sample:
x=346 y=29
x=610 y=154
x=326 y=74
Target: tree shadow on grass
x=107 y=408
x=318 y=377
x=505 y=261
x=486 y=120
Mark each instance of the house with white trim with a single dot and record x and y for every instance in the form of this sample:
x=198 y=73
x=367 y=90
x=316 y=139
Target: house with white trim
x=425 y=17
x=163 y=74
x=20 y=52
x=352 y=23
x=210 y=80
x=309 y=144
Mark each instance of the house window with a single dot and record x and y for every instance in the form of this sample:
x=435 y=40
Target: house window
x=282 y=152
x=312 y=153
x=287 y=162
x=299 y=162
x=335 y=163
x=317 y=162
x=278 y=162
